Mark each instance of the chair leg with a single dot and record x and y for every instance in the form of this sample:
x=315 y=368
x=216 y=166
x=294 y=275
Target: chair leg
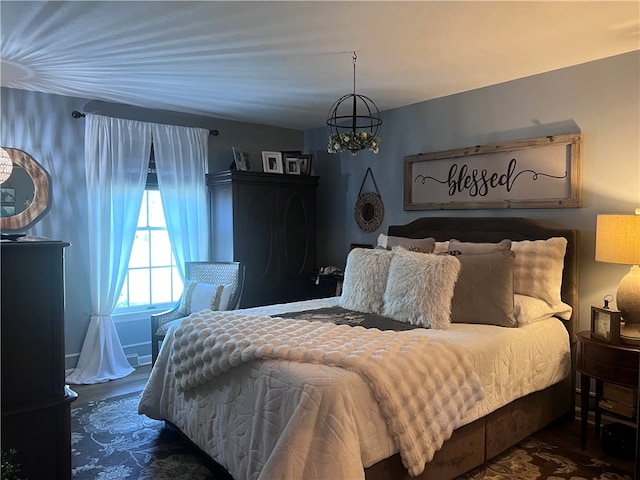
x=154 y=350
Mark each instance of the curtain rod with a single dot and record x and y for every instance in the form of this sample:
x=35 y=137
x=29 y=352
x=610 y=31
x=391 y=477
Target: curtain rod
x=77 y=114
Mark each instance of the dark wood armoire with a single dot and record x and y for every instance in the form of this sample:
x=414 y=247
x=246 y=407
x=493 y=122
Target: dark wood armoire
x=36 y=420
x=266 y=221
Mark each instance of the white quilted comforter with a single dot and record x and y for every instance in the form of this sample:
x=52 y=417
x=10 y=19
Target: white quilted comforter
x=423 y=386
x=274 y=418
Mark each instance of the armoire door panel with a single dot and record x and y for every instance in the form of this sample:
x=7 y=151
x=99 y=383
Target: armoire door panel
x=295 y=234
x=257 y=242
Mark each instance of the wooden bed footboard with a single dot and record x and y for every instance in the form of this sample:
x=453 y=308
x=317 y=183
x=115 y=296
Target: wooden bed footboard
x=474 y=444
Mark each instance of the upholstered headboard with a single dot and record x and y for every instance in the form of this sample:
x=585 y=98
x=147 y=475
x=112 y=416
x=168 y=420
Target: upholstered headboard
x=494 y=229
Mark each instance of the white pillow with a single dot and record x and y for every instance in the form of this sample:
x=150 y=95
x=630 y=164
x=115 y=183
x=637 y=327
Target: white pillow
x=538 y=268
x=420 y=288
x=202 y=296
x=529 y=309
x=424 y=245
x=441 y=247
x=365 y=279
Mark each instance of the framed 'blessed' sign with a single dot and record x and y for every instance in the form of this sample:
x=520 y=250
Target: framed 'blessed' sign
x=535 y=173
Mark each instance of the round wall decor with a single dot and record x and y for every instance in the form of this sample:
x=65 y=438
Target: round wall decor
x=369 y=210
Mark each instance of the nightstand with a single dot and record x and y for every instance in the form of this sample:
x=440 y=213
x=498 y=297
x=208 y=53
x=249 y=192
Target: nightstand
x=604 y=362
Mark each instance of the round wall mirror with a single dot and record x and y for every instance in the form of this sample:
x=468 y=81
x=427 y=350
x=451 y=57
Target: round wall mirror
x=24 y=196
x=369 y=211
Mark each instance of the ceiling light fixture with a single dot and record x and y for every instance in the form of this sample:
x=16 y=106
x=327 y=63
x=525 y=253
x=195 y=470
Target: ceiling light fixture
x=354 y=121
x=6 y=165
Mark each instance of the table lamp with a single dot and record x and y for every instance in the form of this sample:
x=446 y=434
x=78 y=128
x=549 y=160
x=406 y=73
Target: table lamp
x=618 y=241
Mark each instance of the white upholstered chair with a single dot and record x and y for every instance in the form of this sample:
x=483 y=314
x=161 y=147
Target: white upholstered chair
x=209 y=273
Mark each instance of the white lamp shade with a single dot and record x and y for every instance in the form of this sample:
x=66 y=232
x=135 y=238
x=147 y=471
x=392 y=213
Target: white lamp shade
x=618 y=239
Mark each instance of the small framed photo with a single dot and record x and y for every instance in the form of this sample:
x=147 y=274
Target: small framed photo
x=305 y=164
x=272 y=162
x=241 y=159
x=292 y=165
x=605 y=324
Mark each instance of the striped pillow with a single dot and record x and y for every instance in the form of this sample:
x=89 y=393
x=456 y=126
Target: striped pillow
x=202 y=296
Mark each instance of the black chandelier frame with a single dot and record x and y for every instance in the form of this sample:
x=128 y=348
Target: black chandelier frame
x=355 y=116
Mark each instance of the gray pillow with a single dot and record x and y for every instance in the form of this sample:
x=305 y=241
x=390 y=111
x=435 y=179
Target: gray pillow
x=476 y=248
x=484 y=290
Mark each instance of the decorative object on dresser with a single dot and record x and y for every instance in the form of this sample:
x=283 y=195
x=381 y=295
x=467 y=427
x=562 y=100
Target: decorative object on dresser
x=268 y=223
x=618 y=241
x=36 y=418
x=354 y=122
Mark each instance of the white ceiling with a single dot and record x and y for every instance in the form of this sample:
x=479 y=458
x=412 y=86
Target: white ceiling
x=285 y=63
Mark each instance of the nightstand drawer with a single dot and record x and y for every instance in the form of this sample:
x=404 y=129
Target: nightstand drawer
x=611 y=363
x=604 y=353
x=609 y=372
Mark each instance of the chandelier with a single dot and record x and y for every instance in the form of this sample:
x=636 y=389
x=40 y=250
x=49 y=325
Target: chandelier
x=6 y=165
x=354 y=121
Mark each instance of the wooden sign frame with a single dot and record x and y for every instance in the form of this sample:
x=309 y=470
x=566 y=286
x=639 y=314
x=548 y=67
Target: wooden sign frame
x=540 y=172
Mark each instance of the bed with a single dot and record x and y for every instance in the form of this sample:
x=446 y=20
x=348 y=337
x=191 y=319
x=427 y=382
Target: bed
x=266 y=417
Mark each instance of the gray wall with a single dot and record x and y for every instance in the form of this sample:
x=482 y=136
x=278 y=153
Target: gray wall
x=599 y=99
x=41 y=124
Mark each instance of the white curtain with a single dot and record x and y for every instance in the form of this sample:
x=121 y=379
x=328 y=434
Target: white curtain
x=116 y=160
x=181 y=159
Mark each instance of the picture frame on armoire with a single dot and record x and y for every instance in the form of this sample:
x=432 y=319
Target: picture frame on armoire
x=241 y=159
x=272 y=162
x=305 y=163
x=292 y=165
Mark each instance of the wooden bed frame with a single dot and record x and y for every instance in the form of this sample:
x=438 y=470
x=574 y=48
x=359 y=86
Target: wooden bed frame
x=472 y=445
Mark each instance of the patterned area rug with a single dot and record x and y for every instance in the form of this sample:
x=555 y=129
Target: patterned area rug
x=110 y=441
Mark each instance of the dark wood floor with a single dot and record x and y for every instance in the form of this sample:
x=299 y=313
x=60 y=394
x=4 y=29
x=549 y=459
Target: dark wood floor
x=563 y=433
x=134 y=382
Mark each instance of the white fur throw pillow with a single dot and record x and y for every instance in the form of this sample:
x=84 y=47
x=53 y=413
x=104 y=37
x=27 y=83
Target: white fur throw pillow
x=538 y=268
x=365 y=279
x=420 y=287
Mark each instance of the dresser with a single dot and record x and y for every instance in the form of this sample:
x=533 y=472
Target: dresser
x=36 y=418
x=267 y=221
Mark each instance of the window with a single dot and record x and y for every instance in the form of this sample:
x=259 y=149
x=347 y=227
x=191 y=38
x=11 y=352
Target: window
x=152 y=281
